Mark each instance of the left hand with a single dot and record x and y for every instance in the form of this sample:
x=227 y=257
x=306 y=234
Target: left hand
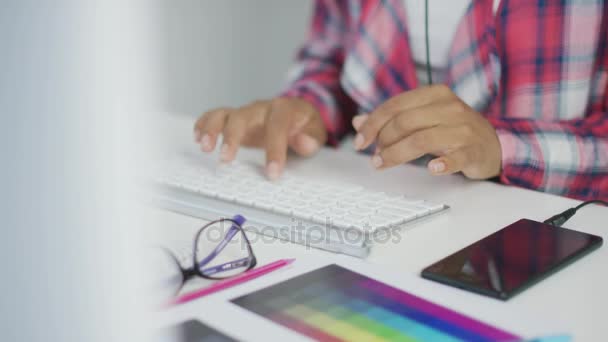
x=431 y=120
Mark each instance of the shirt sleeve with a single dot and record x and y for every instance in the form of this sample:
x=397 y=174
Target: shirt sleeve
x=568 y=158
x=315 y=76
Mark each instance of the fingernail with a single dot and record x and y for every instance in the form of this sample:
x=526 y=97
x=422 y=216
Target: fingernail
x=224 y=153
x=272 y=170
x=377 y=150
x=377 y=161
x=197 y=135
x=206 y=143
x=437 y=166
x=359 y=141
x=359 y=120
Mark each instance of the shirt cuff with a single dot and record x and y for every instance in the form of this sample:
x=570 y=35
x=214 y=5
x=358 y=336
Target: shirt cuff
x=509 y=146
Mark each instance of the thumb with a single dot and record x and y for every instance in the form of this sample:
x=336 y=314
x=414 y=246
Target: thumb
x=453 y=162
x=307 y=134
x=304 y=144
x=308 y=140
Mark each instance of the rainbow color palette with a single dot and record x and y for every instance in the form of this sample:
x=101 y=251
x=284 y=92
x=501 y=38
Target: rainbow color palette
x=336 y=304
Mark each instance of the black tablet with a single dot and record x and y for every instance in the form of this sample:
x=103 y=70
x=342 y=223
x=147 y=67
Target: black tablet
x=512 y=259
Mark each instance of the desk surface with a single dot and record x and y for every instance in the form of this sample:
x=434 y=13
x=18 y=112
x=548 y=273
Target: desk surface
x=573 y=301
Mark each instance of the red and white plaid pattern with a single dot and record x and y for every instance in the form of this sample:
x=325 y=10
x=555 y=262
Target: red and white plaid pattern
x=537 y=69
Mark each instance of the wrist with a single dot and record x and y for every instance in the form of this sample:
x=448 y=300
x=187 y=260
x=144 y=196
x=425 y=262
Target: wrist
x=510 y=147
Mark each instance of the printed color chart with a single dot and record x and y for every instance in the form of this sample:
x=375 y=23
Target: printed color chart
x=336 y=304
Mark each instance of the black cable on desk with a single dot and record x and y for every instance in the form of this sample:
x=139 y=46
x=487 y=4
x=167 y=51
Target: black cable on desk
x=591 y=202
x=561 y=218
x=429 y=73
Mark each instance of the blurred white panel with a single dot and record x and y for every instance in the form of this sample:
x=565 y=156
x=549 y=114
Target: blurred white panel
x=70 y=71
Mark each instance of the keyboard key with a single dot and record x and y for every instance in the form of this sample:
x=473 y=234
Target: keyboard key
x=377 y=222
x=326 y=202
x=208 y=190
x=393 y=218
x=266 y=204
x=243 y=199
x=281 y=198
x=306 y=198
x=227 y=194
x=396 y=211
x=433 y=207
x=345 y=206
x=363 y=211
x=317 y=210
x=335 y=212
x=356 y=217
x=376 y=197
x=303 y=214
x=283 y=209
x=319 y=219
x=367 y=204
x=342 y=224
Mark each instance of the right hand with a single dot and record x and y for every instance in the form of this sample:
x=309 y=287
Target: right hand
x=273 y=125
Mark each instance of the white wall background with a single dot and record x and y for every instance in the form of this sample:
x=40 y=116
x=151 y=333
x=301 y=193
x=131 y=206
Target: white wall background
x=229 y=52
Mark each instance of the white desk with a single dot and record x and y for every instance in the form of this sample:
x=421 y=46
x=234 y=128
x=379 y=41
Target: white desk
x=573 y=301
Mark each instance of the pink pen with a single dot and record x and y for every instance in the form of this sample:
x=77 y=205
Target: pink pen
x=230 y=282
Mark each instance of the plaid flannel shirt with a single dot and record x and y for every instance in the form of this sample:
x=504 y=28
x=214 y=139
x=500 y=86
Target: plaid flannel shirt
x=536 y=69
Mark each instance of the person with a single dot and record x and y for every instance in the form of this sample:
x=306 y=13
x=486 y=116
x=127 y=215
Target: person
x=520 y=92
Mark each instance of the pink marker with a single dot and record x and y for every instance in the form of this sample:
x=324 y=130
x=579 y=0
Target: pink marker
x=230 y=282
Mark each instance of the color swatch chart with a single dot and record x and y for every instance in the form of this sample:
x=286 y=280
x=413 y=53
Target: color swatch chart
x=336 y=304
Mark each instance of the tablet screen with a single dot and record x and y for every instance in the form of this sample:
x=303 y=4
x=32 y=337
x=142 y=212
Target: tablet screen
x=512 y=258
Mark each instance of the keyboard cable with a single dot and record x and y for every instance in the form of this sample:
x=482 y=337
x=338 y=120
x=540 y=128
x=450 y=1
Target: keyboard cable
x=561 y=218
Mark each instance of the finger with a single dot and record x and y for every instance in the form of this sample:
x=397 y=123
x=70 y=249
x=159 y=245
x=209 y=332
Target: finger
x=451 y=163
x=419 y=118
x=200 y=122
x=277 y=130
x=234 y=131
x=418 y=144
x=411 y=99
x=358 y=121
x=209 y=126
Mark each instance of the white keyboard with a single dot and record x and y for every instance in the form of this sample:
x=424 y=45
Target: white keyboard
x=339 y=217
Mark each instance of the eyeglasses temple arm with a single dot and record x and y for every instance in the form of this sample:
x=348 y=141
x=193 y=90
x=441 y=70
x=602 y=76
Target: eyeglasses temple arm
x=244 y=262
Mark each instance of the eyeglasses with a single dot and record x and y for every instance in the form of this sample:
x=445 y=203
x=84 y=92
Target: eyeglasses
x=220 y=250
